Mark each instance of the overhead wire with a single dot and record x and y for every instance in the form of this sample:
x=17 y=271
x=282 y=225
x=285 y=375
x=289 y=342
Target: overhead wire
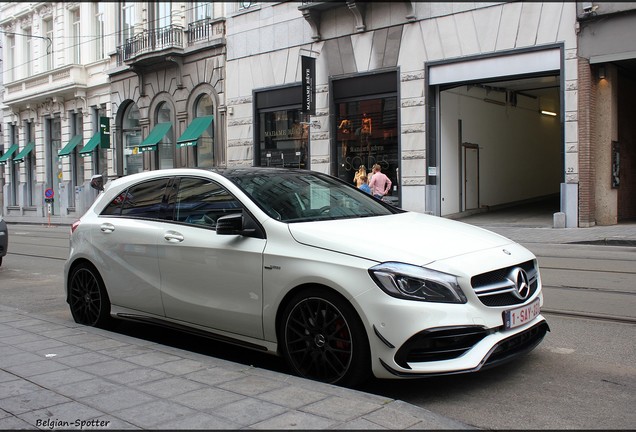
x=93 y=39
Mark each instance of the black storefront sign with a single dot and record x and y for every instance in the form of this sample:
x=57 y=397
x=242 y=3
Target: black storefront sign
x=308 y=65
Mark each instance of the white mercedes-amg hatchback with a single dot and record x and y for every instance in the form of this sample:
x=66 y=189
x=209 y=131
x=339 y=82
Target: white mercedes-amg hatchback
x=301 y=264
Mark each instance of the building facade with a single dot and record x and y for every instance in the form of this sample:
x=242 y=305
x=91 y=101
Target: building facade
x=607 y=136
x=466 y=107
x=55 y=93
x=105 y=88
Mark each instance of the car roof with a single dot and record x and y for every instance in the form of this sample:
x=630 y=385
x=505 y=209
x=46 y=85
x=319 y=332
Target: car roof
x=224 y=172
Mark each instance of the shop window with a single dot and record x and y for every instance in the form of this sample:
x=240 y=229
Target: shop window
x=131 y=139
x=282 y=130
x=55 y=167
x=165 y=147
x=100 y=155
x=367 y=134
x=205 y=145
x=283 y=138
x=14 y=169
x=29 y=165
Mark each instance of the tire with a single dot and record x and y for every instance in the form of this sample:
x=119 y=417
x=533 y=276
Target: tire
x=88 y=298
x=322 y=338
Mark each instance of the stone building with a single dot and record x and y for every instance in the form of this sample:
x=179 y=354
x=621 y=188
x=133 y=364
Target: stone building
x=55 y=93
x=105 y=87
x=467 y=107
x=454 y=93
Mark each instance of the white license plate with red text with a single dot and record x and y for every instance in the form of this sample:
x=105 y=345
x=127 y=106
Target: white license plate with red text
x=522 y=315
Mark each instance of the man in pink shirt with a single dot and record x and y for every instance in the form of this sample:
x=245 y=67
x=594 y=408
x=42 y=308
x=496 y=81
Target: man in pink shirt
x=380 y=184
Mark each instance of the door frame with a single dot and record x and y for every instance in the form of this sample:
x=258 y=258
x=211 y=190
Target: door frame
x=464 y=175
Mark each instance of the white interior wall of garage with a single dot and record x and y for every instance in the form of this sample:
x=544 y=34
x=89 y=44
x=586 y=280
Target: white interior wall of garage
x=519 y=149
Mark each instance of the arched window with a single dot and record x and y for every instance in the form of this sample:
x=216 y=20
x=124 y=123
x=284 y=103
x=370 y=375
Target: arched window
x=131 y=138
x=205 y=147
x=165 y=148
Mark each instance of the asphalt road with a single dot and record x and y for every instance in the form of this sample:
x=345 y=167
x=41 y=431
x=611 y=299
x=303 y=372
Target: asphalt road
x=583 y=376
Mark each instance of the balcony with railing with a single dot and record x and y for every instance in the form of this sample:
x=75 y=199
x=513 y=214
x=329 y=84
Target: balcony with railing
x=152 y=46
x=149 y=45
x=207 y=31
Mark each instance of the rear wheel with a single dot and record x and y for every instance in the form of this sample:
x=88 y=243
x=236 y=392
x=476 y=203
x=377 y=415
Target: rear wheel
x=322 y=338
x=88 y=298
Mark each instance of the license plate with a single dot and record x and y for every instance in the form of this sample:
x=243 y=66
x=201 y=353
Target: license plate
x=520 y=316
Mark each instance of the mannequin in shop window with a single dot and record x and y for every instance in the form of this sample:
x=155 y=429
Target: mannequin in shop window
x=365 y=129
x=345 y=129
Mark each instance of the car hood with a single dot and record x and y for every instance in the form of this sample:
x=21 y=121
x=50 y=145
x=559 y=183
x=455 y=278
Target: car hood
x=408 y=237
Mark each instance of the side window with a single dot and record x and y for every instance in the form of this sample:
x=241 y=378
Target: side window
x=202 y=202
x=143 y=200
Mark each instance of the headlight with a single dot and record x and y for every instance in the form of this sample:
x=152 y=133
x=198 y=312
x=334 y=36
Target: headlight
x=411 y=282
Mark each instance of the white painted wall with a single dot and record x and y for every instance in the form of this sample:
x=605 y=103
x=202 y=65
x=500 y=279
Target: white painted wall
x=519 y=149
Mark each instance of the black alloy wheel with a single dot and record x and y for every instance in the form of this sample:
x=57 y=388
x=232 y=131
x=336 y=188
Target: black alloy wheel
x=88 y=298
x=324 y=340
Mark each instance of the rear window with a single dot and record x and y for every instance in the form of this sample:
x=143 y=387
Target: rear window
x=143 y=200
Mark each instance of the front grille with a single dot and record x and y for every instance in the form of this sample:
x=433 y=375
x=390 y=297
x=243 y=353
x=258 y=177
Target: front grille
x=496 y=289
x=518 y=344
x=439 y=344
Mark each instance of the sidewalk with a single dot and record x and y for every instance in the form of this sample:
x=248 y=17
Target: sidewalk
x=55 y=374
x=531 y=230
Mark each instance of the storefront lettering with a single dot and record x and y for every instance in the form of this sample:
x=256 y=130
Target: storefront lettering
x=353 y=163
x=364 y=149
x=278 y=133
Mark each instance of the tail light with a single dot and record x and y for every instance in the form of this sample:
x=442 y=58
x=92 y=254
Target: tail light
x=74 y=226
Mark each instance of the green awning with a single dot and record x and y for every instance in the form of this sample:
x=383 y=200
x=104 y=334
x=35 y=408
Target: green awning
x=5 y=157
x=194 y=131
x=156 y=134
x=90 y=145
x=68 y=148
x=25 y=151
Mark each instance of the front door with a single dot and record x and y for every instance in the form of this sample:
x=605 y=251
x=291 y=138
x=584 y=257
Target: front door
x=207 y=279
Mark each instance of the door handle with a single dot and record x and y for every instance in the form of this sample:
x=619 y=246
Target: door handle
x=107 y=228
x=173 y=237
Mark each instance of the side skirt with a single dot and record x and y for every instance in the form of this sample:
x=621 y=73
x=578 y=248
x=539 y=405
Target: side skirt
x=195 y=331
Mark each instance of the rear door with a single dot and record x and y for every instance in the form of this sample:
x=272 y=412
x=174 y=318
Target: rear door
x=126 y=243
x=208 y=279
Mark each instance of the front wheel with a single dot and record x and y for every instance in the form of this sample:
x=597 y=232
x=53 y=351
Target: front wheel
x=88 y=298
x=323 y=339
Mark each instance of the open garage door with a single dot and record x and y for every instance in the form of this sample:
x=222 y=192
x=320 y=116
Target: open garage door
x=506 y=110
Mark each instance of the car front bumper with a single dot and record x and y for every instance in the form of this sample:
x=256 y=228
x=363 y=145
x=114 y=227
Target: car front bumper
x=416 y=339
x=493 y=350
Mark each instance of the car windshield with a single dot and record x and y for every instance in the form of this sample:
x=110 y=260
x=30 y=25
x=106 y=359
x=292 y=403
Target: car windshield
x=299 y=196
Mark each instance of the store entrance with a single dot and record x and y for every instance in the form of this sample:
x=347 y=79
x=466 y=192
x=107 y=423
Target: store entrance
x=366 y=130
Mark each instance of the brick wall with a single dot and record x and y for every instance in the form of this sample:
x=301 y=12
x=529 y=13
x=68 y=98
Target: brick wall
x=587 y=133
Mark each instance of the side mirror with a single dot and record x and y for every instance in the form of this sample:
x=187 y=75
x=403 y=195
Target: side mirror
x=97 y=182
x=230 y=224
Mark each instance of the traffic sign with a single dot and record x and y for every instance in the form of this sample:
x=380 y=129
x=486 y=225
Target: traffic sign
x=49 y=193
